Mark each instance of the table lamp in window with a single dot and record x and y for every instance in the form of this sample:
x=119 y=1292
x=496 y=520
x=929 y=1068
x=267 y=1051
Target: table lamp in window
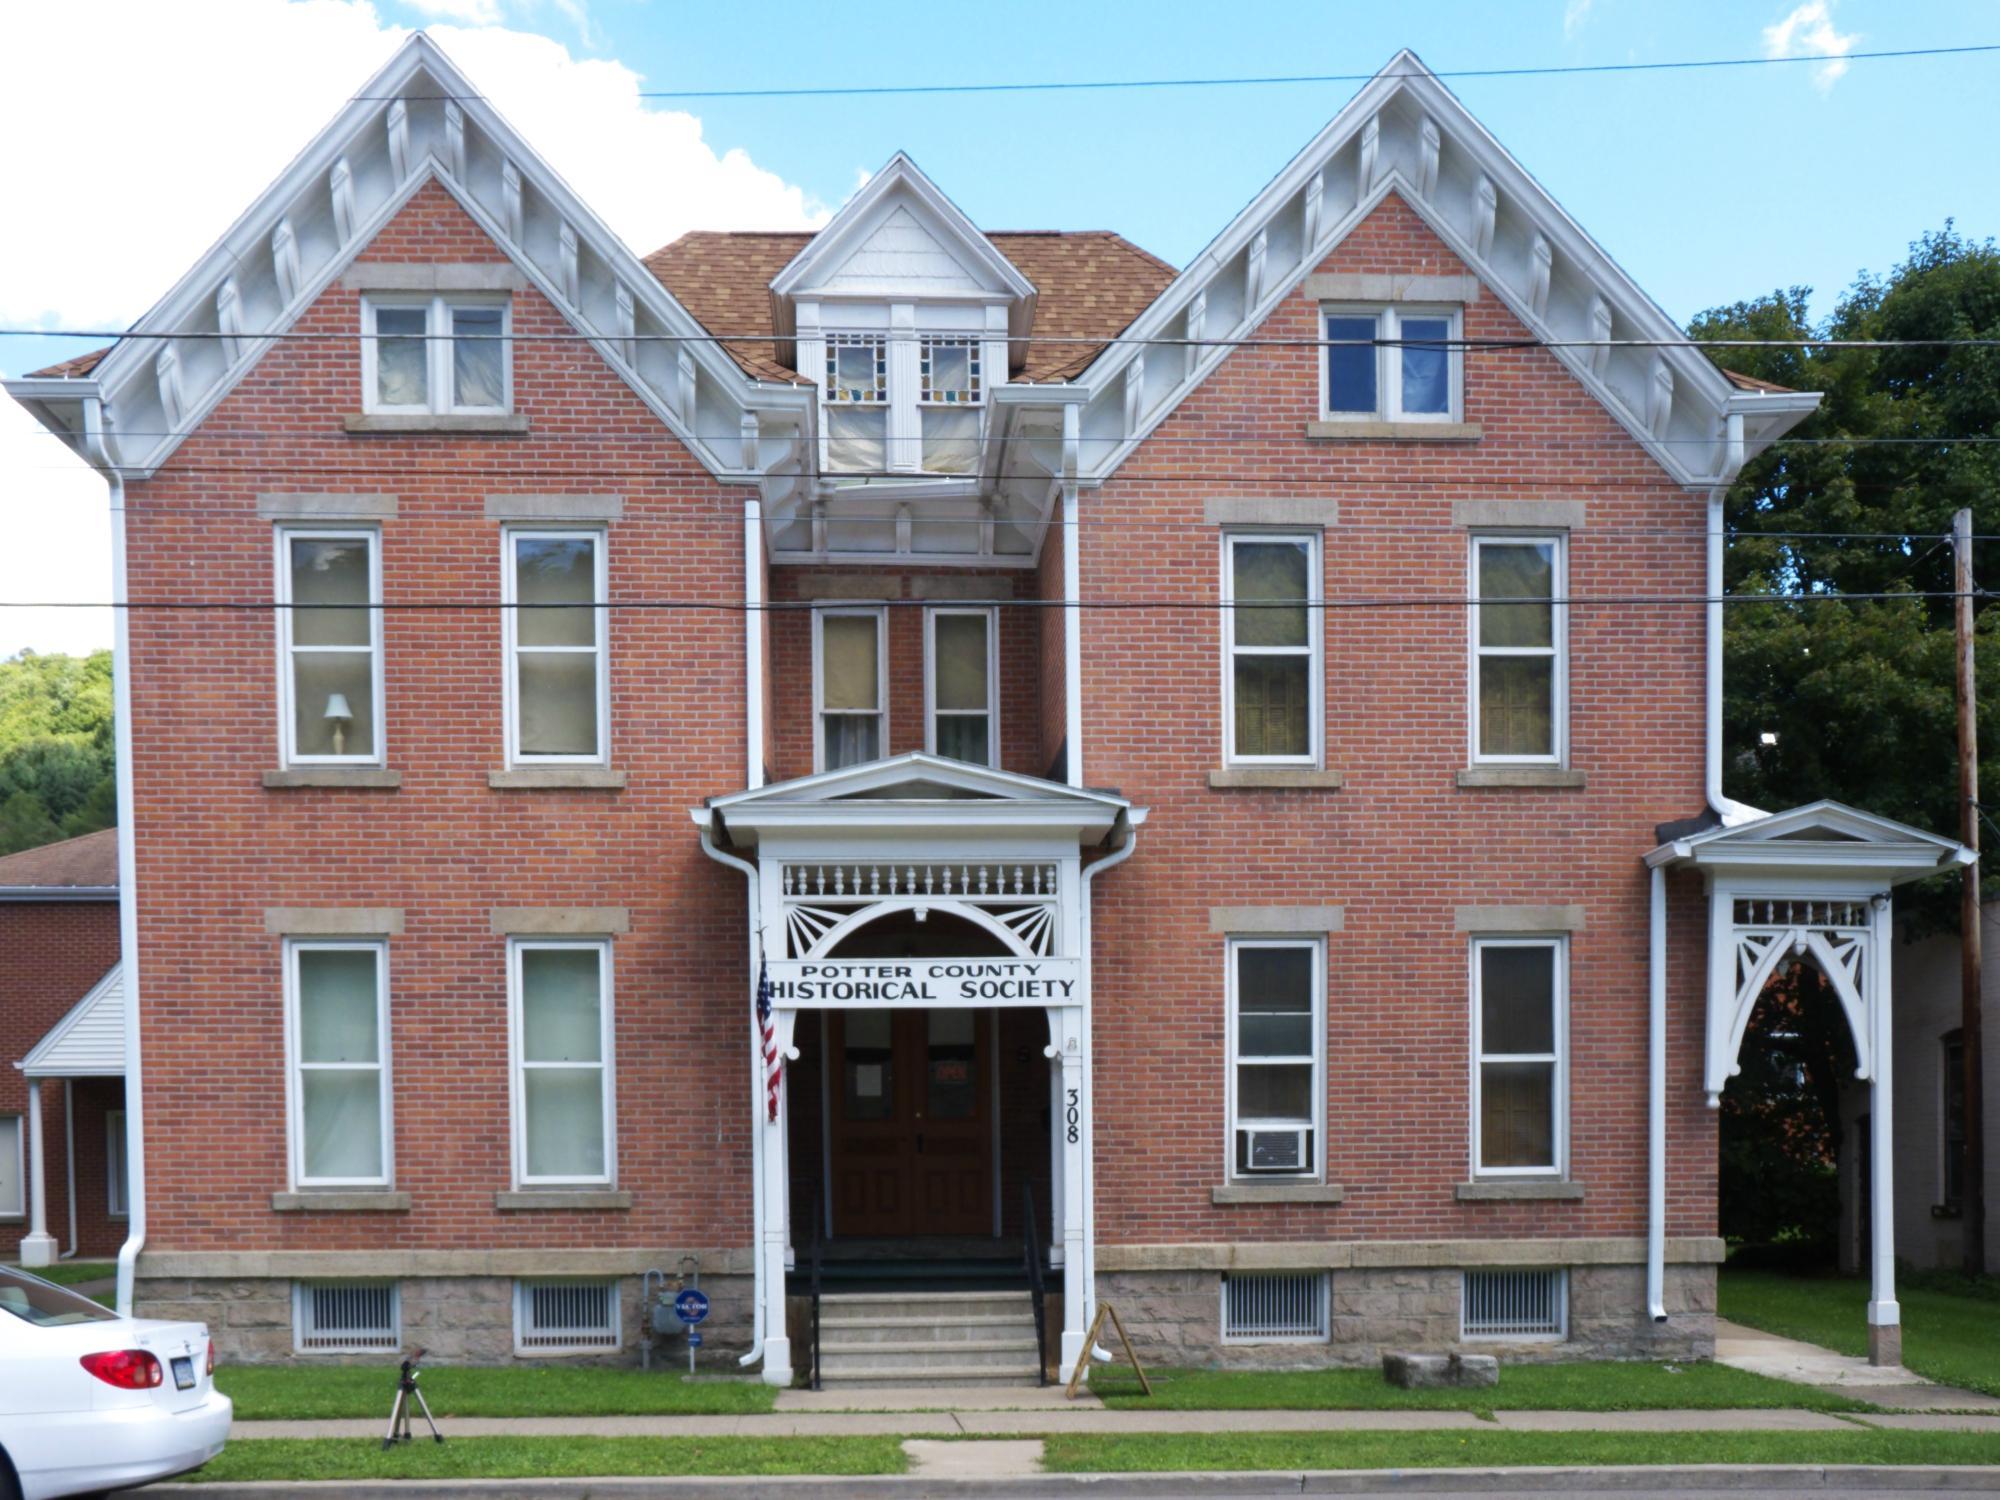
x=339 y=716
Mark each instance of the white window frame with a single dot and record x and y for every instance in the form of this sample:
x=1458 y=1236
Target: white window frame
x=885 y=402
x=921 y=401
x=117 y=1184
x=599 y=538
x=991 y=614
x=1389 y=361
x=295 y=1068
x=1557 y=651
x=287 y=682
x=1314 y=649
x=440 y=377
x=1559 y=1074
x=880 y=614
x=1317 y=1166
x=18 y=1210
x=518 y=1066
x=523 y=1300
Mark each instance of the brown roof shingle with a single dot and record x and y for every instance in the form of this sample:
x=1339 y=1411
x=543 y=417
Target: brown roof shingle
x=89 y=861
x=1751 y=383
x=75 y=366
x=1090 y=284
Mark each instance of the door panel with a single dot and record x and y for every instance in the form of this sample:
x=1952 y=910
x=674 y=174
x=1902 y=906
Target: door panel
x=912 y=1123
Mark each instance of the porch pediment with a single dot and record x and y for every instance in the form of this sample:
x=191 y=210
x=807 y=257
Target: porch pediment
x=925 y=797
x=1819 y=842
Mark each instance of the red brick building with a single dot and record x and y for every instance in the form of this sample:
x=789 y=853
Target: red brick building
x=1189 y=747
x=62 y=1101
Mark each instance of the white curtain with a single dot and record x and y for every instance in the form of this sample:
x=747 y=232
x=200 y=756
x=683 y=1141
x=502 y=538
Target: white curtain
x=401 y=360
x=951 y=439
x=562 y=1056
x=340 y=1064
x=857 y=438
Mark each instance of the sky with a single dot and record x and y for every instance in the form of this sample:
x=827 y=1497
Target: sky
x=139 y=129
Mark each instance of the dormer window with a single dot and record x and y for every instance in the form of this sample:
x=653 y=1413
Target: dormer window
x=857 y=402
x=1393 y=364
x=435 y=354
x=950 y=400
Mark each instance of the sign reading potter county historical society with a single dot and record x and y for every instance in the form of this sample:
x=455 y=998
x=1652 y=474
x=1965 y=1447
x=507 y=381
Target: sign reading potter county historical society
x=878 y=983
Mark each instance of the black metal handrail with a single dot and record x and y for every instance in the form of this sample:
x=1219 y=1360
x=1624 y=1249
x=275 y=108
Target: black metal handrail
x=814 y=1252
x=1032 y=1256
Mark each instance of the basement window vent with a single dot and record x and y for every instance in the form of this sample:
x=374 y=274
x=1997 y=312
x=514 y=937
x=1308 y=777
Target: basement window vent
x=1516 y=1304
x=346 y=1317
x=563 y=1317
x=1275 y=1309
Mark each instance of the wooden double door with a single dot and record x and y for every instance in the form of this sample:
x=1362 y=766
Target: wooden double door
x=911 y=1117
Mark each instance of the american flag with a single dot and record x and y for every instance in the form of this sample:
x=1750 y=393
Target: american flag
x=774 y=1068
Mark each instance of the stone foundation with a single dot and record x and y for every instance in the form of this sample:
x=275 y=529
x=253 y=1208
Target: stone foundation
x=461 y=1320
x=1175 y=1318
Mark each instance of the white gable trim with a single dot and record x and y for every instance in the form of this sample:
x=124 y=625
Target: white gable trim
x=419 y=118
x=1860 y=844
x=1404 y=131
x=89 y=1041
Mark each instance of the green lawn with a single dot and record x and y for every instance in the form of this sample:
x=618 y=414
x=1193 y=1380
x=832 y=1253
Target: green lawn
x=297 y=1392
x=1951 y=1336
x=1105 y=1454
x=1590 y=1386
x=70 y=1272
x=554 y=1458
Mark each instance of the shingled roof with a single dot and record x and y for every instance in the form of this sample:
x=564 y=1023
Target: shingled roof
x=86 y=863
x=72 y=368
x=1089 y=285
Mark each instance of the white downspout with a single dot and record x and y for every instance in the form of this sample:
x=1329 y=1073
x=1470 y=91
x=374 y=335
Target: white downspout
x=756 y=1112
x=1731 y=813
x=1656 y=1103
x=1090 y=873
x=753 y=639
x=128 y=869
x=69 y=1160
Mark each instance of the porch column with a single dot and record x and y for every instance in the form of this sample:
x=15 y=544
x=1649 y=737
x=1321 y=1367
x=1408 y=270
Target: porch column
x=1885 y=1318
x=1056 y=1154
x=39 y=1247
x=1066 y=1036
x=777 y=1216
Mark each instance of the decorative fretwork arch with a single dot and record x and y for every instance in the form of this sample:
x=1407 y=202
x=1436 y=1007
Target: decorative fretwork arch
x=816 y=931
x=1836 y=935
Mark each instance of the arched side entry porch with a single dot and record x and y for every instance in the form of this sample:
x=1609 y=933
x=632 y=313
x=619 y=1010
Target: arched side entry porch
x=912 y=840
x=1814 y=884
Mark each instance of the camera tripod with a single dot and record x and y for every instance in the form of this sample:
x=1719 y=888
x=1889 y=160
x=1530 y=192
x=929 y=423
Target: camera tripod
x=399 y=1413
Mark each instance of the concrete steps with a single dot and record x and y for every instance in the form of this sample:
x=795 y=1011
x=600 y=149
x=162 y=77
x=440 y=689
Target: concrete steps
x=930 y=1338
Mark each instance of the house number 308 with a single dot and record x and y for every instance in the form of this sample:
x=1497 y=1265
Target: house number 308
x=1073 y=1115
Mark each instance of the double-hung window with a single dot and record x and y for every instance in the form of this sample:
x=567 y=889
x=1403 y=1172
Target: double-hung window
x=442 y=355
x=1272 y=636
x=962 y=684
x=1519 y=650
x=555 y=628
x=857 y=402
x=1393 y=364
x=560 y=994
x=850 y=683
x=13 y=1162
x=949 y=400
x=117 y=1174
x=1520 y=1025
x=1277 y=1034
x=337 y=1014
x=330 y=645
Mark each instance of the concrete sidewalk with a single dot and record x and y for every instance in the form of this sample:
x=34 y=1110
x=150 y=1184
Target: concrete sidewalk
x=1763 y=1353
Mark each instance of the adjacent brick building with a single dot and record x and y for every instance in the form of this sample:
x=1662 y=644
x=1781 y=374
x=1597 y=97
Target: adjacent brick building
x=1149 y=822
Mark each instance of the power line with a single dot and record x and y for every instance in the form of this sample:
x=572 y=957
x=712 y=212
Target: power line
x=1257 y=81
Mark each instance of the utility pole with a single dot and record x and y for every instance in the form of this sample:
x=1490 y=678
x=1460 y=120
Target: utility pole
x=1973 y=1189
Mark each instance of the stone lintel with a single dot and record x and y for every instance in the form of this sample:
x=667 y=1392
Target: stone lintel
x=559 y=921
x=327 y=507
x=859 y=587
x=556 y=508
x=1519 y=919
x=390 y=276
x=1527 y=515
x=1389 y=286
x=1335 y=1255
x=1251 y=921
x=1277 y=1192
x=333 y=921
x=230 y=1265
x=1284 y=510
x=971 y=587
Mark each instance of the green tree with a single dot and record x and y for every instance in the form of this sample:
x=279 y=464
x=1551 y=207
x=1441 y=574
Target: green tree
x=57 y=762
x=24 y=823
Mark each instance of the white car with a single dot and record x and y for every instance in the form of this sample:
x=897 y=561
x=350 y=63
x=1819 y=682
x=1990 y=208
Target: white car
x=91 y=1401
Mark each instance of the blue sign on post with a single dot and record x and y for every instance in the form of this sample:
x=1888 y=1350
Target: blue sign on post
x=691 y=1306
x=694 y=1338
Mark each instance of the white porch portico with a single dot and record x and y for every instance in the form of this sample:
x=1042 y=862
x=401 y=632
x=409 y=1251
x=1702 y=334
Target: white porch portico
x=1813 y=885
x=949 y=847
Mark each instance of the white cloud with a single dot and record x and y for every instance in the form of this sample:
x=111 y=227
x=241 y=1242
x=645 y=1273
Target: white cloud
x=1809 y=32
x=179 y=127
x=1575 y=13
x=471 y=12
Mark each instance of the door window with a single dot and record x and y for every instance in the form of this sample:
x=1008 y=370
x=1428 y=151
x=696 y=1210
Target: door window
x=869 y=1087
x=954 y=1088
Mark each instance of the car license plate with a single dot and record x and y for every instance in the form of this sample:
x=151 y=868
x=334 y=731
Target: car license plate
x=184 y=1373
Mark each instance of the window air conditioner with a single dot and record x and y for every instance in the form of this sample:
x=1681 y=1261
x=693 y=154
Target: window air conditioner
x=1279 y=1149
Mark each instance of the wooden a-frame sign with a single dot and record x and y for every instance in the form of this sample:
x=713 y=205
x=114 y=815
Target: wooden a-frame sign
x=1090 y=1343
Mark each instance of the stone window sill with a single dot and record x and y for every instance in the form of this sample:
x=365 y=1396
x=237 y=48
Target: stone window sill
x=1547 y=778
x=1273 y=778
x=366 y=1201
x=1277 y=1192
x=1397 y=432
x=360 y=777
x=558 y=1199
x=499 y=423
x=1519 y=1190
x=557 y=779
